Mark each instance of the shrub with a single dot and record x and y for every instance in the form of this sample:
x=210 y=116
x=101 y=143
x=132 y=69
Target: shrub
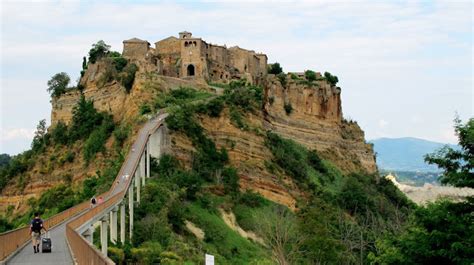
x=236 y=119
x=288 y=155
x=176 y=213
x=96 y=141
x=288 y=108
x=332 y=79
x=230 y=180
x=294 y=77
x=116 y=254
x=119 y=63
x=148 y=253
x=275 y=69
x=58 y=84
x=98 y=50
x=310 y=75
x=145 y=109
x=282 y=78
x=252 y=199
x=59 y=133
x=316 y=162
x=127 y=77
x=215 y=107
x=121 y=134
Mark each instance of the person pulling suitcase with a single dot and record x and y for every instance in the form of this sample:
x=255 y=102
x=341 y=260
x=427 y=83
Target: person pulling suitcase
x=35 y=230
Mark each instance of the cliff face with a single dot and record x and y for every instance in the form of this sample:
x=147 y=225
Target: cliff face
x=316 y=122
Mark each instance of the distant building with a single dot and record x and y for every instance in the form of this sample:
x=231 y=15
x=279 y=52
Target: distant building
x=190 y=57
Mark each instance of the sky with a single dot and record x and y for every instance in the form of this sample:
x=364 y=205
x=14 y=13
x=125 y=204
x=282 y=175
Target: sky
x=405 y=67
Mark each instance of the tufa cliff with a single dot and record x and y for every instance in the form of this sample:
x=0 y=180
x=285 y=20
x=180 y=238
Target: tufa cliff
x=315 y=120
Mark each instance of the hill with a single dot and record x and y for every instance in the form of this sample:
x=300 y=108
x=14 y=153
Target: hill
x=259 y=167
x=405 y=154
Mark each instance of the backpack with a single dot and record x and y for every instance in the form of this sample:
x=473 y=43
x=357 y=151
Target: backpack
x=37 y=225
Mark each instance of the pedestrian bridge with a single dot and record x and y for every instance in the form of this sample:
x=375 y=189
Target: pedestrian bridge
x=72 y=230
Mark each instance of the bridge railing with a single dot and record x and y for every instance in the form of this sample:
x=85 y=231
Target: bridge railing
x=83 y=251
x=12 y=240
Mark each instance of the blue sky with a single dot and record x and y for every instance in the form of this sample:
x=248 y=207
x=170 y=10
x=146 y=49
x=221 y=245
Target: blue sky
x=405 y=67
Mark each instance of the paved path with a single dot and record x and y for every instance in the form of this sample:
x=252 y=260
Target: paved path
x=60 y=253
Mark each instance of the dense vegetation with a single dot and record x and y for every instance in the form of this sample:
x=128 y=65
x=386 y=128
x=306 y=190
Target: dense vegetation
x=89 y=129
x=442 y=232
x=339 y=221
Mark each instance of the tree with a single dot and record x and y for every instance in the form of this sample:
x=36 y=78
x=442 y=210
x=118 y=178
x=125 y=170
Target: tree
x=4 y=160
x=275 y=69
x=57 y=85
x=85 y=118
x=332 y=79
x=310 y=75
x=278 y=228
x=98 y=50
x=84 y=63
x=441 y=232
x=40 y=136
x=457 y=164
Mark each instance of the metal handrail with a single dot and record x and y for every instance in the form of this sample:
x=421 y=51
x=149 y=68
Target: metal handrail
x=12 y=240
x=83 y=251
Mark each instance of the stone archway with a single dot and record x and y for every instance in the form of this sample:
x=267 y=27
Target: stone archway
x=190 y=70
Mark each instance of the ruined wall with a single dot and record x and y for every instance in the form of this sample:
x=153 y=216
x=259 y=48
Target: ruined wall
x=169 y=53
x=316 y=122
x=135 y=49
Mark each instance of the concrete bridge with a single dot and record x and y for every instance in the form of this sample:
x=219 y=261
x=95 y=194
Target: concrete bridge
x=72 y=230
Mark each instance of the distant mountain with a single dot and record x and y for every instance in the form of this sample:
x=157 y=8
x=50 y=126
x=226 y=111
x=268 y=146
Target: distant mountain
x=405 y=154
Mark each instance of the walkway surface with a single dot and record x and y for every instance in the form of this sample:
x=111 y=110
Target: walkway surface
x=60 y=253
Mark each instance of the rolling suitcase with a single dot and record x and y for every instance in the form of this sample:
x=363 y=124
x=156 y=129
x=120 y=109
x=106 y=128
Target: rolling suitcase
x=46 y=244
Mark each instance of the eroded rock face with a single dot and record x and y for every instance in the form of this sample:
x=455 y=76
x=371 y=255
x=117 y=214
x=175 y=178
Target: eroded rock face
x=316 y=122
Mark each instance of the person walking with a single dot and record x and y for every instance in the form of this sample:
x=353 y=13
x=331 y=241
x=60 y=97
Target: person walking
x=93 y=202
x=36 y=226
x=101 y=200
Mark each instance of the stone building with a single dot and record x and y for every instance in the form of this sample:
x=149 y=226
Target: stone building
x=190 y=57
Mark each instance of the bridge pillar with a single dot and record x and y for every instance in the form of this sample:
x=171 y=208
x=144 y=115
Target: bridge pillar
x=103 y=235
x=137 y=184
x=148 y=158
x=89 y=234
x=113 y=225
x=143 y=168
x=130 y=210
x=155 y=141
x=122 y=222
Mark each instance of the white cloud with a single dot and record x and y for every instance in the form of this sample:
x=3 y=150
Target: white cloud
x=392 y=58
x=383 y=123
x=17 y=133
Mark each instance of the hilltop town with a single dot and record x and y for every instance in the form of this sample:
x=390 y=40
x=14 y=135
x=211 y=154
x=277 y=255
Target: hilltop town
x=189 y=57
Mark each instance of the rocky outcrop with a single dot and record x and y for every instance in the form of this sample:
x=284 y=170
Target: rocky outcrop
x=316 y=122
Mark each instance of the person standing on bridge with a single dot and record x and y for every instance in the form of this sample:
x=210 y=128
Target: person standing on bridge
x=35 y=230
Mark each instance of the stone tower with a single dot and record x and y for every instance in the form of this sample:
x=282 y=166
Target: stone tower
x=193 y=63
